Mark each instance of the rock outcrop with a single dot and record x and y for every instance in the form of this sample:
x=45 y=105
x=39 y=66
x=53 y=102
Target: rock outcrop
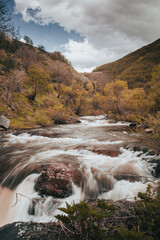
x=4 y=122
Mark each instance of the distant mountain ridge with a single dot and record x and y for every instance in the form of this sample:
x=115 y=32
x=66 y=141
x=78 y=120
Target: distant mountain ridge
x=136 y=68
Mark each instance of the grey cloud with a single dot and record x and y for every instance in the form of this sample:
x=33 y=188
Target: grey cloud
x=118 y=25
x=99 y=18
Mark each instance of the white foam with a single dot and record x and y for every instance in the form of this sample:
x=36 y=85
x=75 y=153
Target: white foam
x=124 y=190
x=54 y=142
x=96 y=121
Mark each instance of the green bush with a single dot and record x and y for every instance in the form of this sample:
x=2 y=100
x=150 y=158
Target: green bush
x=149 y=213
x=148 y=218
x=84 y=221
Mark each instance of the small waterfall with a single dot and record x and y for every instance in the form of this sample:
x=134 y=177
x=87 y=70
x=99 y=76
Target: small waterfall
x=94 y=174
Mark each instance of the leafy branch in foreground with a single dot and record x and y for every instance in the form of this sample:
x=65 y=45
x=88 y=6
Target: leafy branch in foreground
x=149 y=212
x=148 y=219
x=85 y=221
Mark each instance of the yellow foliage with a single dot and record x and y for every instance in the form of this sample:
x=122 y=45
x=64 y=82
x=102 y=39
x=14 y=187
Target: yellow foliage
x=42 y=118
x=124 y=101
x=38 y=79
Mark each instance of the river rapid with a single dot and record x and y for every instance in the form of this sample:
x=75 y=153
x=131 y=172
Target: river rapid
x=101 y=150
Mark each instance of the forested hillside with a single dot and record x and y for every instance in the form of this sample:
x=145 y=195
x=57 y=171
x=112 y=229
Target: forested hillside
x=40 y=88
x=133 y=90
x=137 y=67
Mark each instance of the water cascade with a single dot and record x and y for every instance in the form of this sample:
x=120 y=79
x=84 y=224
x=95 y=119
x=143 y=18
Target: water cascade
x=101 y=165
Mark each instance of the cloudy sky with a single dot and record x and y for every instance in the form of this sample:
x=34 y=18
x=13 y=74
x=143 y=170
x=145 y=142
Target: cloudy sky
x=88 y=32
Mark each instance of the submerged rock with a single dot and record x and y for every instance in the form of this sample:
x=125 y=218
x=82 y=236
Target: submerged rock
x=108 y=152
x=4 y=122
x=55 y=180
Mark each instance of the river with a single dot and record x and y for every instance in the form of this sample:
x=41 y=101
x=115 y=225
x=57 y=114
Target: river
x=98 y=149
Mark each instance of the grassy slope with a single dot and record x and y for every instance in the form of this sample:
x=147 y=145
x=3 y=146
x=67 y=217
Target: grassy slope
x=15 y=58
x=135 y=68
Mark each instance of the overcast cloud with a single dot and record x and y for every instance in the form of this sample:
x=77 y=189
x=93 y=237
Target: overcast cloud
x=111 y=28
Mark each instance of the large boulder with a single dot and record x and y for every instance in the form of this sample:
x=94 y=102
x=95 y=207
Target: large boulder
x=55 y=180
x=4 y=122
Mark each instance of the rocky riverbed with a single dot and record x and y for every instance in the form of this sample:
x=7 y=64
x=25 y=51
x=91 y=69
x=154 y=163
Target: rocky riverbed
x=96 y=158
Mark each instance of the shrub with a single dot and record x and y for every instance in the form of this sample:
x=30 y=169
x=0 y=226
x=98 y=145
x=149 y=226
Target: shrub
x=41 y=48
x=43 y=119
x=126 y=234
x=153 y=138
x=84 y=221
x=59 y=56
x=148 y=218
x=28 y=40
x=60 y=116
x=9 y=64
x=149 y=212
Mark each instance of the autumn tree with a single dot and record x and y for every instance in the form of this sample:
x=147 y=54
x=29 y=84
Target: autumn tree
x=60 y=57
x=136 y=101
x=98 y=101
x=68 y=94
x=38 y=79
x=130 y=104
x=154 y=93
x=114 y=93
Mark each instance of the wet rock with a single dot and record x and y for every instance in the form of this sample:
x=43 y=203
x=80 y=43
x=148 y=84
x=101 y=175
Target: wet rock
x=74 y=120
x=156 y=167
x=149 y=130
x=4 y=122
x=55 y=180
x=157 y=170
x=108 y=152
x=127 y=171
x=132 y=125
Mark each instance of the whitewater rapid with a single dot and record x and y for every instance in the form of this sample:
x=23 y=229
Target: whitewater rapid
x=80 y=146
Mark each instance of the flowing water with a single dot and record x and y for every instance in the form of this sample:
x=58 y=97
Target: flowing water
x=96 y=148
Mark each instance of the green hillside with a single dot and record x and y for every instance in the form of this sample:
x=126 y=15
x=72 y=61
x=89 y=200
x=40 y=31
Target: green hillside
x=136 y=68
